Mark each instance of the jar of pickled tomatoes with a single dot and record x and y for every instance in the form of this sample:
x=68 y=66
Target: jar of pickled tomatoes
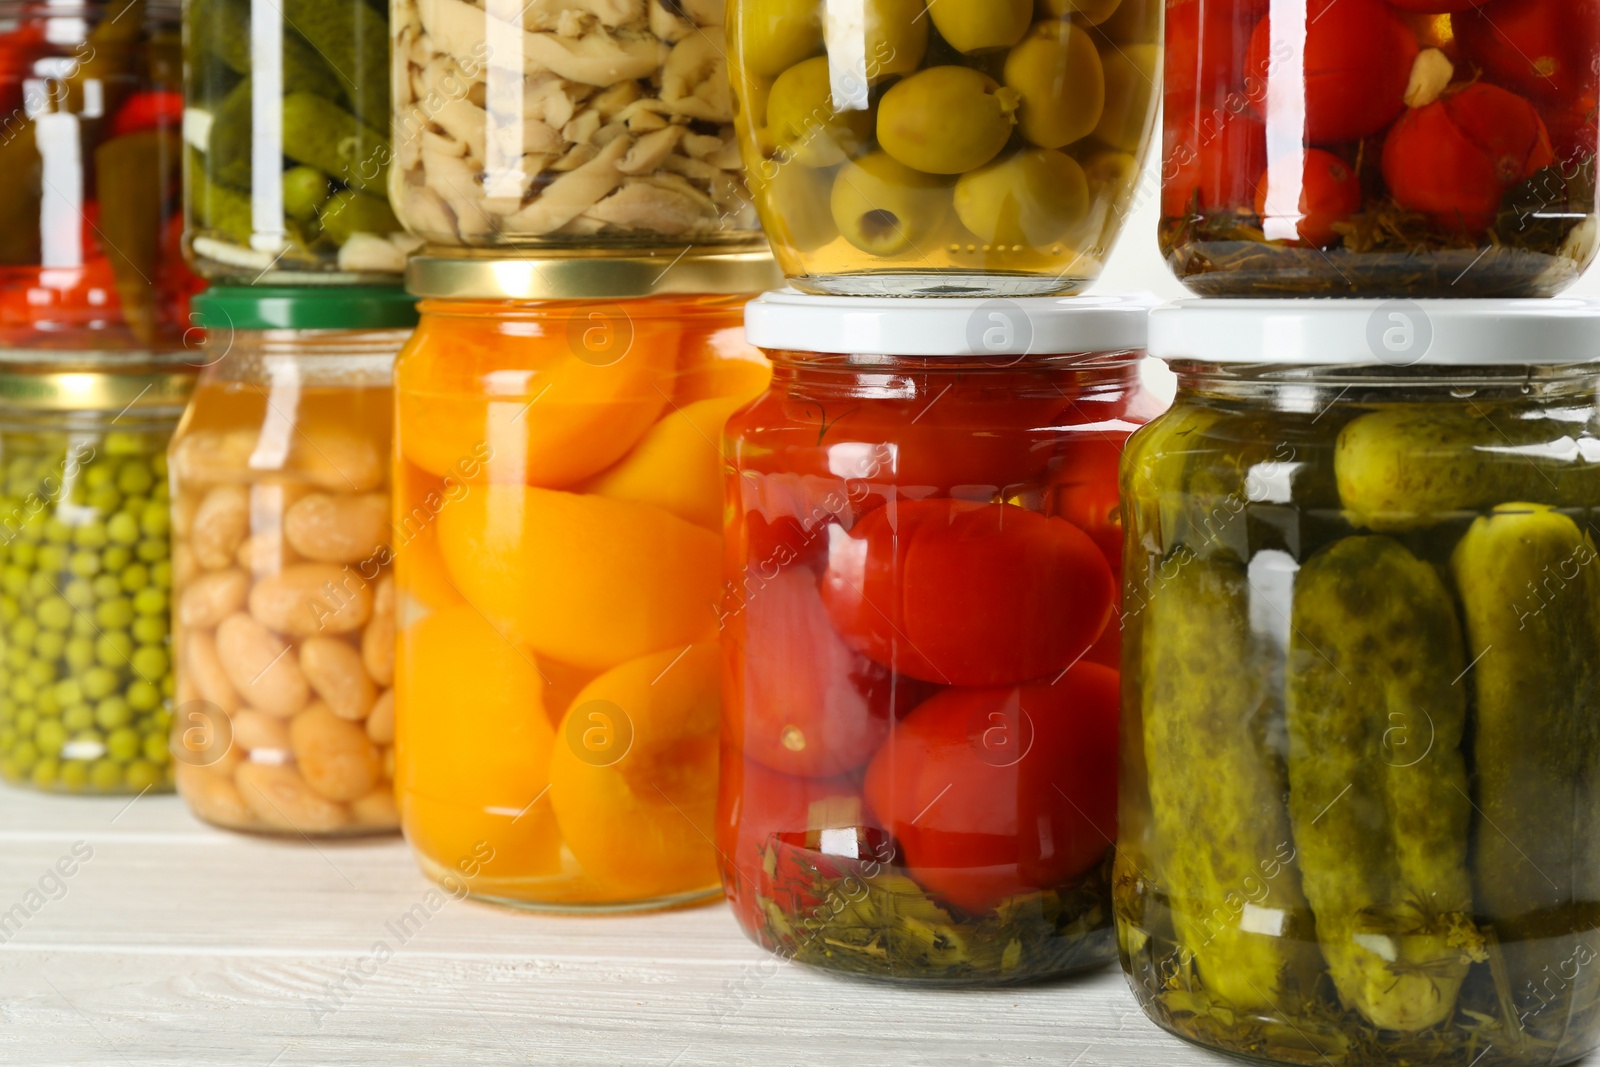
x=1430 y=148
x=920 y=634
x=558 y=538
x=283 y=585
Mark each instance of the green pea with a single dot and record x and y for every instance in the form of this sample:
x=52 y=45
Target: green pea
x=150 y=629
x=150 y=662
x=112 y=712
x=113 y=648
x=135 y=479
x=143 y=695
x=10 y=611
x=105 y=776
x=104 y=500
x=54 y=613
x=46 y=773
x=83 y=624
x=106 y=586
x=14 y=580
x=23 y=631
x=156 y=748
x=23 y=756
x=23 y=553
x=162 y=493
x=50 y=644
x=99 y=476
x=33 y=527
x=116 y=557
x=158 y=466
x=122 y=529
x=77 y=717
x=98 y=682
x=161 y=720
x=79 y=653
x=84 y=564
x=142 y=775
x=124 y=444
x=135 y=577
x=41 y=673
x=152 y=551
x=17 y=658
x=161 y=574
x=150 y=602
x=40 y=585
x=8 y=737
x=52 y=558
x=123 y=745
x=155 y=519
x=56 y=531
x=46 y=704
x=167 y=686
x=50 y=735
x=68 y=692
x=27 y=720
x=74 y=776
x=114 y=614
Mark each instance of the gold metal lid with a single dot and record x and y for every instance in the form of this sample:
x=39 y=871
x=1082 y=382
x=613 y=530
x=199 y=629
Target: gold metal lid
x=96 y=381
x=590 y=275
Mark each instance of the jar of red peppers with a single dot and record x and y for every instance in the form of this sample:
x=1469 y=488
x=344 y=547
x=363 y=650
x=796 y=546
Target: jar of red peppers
x=90 y=187
x=1380 y=147
x=920 y=636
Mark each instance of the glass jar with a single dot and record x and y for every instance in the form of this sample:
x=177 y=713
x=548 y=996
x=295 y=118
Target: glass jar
x=955 y=148
x=1425 y=148
x=306 y=85
x=557 y=125
x=283 y=576
x=559 y=543
x=84 y=569
x=1337 y=548
x=919 y=634
x=90 y=252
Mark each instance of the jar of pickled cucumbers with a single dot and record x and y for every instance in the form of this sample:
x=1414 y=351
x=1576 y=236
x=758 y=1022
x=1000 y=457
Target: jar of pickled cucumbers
x=561 y=125
x=558 y=536
x=85 y=572
x=952 y=148
x=283 y=562
x=1424 y=148
x=90 y=186
x=1359 y=718
x=919 y=634
x=305 y=84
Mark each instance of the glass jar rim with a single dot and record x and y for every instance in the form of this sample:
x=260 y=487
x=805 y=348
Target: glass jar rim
x=590 y=274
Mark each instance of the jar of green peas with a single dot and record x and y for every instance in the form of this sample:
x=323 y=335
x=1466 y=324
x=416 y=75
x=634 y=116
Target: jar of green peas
x=85 y=575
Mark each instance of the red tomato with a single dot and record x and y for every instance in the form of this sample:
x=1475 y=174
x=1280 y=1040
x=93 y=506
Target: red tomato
x=1574 y=133
x=996 y=792
x=786 y=517
x=46 y=300
x=799 y=699
x=754 y=806
x=966 y=593
x=1205 y=55
x=1329 y=192
x=1543 y=49
x=1357 y=59
x=1455 y=158
x=149 y=110
x=1084 y=490
x=1212 y=168
x=19 y=49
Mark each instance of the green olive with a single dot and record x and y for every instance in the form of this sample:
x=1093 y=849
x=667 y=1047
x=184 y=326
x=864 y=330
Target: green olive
x=1093 y=12
x=947 y=120
x=887 y=37
x=803 y=122
x=1034 y=198
x=796 y=207
x=980 y=25
x=1057 y=72
x=885 y=208
x=770 y=36
x=1131 y=73
x=1134 y=22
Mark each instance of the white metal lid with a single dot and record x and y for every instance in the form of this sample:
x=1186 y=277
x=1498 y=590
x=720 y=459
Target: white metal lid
x=1398 y=333
x=946 y=326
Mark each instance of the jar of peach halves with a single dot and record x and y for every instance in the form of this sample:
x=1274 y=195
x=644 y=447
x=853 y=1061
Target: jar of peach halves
x=559 y=543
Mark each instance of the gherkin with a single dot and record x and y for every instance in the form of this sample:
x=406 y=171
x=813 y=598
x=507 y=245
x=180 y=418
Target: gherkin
x=1377 y=782
x=1223 y=842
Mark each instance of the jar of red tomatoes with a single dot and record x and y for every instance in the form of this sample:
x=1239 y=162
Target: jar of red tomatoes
x=90 y=172
x=1380 y=147
x=920 y=634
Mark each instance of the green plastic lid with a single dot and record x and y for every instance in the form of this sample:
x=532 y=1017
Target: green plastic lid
x=303 y=307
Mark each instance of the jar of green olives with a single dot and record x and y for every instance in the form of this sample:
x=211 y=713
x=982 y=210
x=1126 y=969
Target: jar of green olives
x=85 y=578
x=1361 y=674
x=952 y=148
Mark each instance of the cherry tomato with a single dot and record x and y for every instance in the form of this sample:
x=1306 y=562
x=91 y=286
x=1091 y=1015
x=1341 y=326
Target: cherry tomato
x=966 y=593
x=1329 y=192
x=1574 y=133
x=45 y=300
x=1543 y=49
x=799 y=699
x=1455 y=158
x=19 y=49
x=1084 y=490
x=149 y=110
x=1357 y=60
x=997 y=792
x=1205 y=55
x=1212 y=168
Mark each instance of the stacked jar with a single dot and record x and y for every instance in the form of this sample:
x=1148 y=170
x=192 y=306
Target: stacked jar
x=1360 y=701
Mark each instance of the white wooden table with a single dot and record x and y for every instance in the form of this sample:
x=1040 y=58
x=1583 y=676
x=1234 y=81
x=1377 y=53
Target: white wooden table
x=177 y=943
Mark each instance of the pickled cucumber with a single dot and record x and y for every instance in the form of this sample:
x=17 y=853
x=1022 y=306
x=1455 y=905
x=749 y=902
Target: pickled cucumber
x=1529 y=583
x=349 y=212
x=325 y=136
x=228 y=148
x=1215 y=778
x=216 y=207
x=1409 y=466
x=1377 y=781
x=353 y=38
x=221 y=28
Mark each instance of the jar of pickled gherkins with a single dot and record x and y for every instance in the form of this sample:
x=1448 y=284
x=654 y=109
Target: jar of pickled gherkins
x=283 y=561
x=558 y=535
x=952 y=148
x=85 y=573
x=560 y=125
x=919 y=634
x=286 y=133
x=90 y=234
x=1359 y=717
x=1424 y=148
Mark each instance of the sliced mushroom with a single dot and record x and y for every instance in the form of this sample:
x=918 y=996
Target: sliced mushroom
x=655 y=205
x=567 y=197
x=651 y=150
x=667 y=24
x=546 y=14
x=695 y=80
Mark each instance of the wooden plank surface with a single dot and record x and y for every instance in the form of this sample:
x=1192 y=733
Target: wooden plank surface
x=174 y=943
